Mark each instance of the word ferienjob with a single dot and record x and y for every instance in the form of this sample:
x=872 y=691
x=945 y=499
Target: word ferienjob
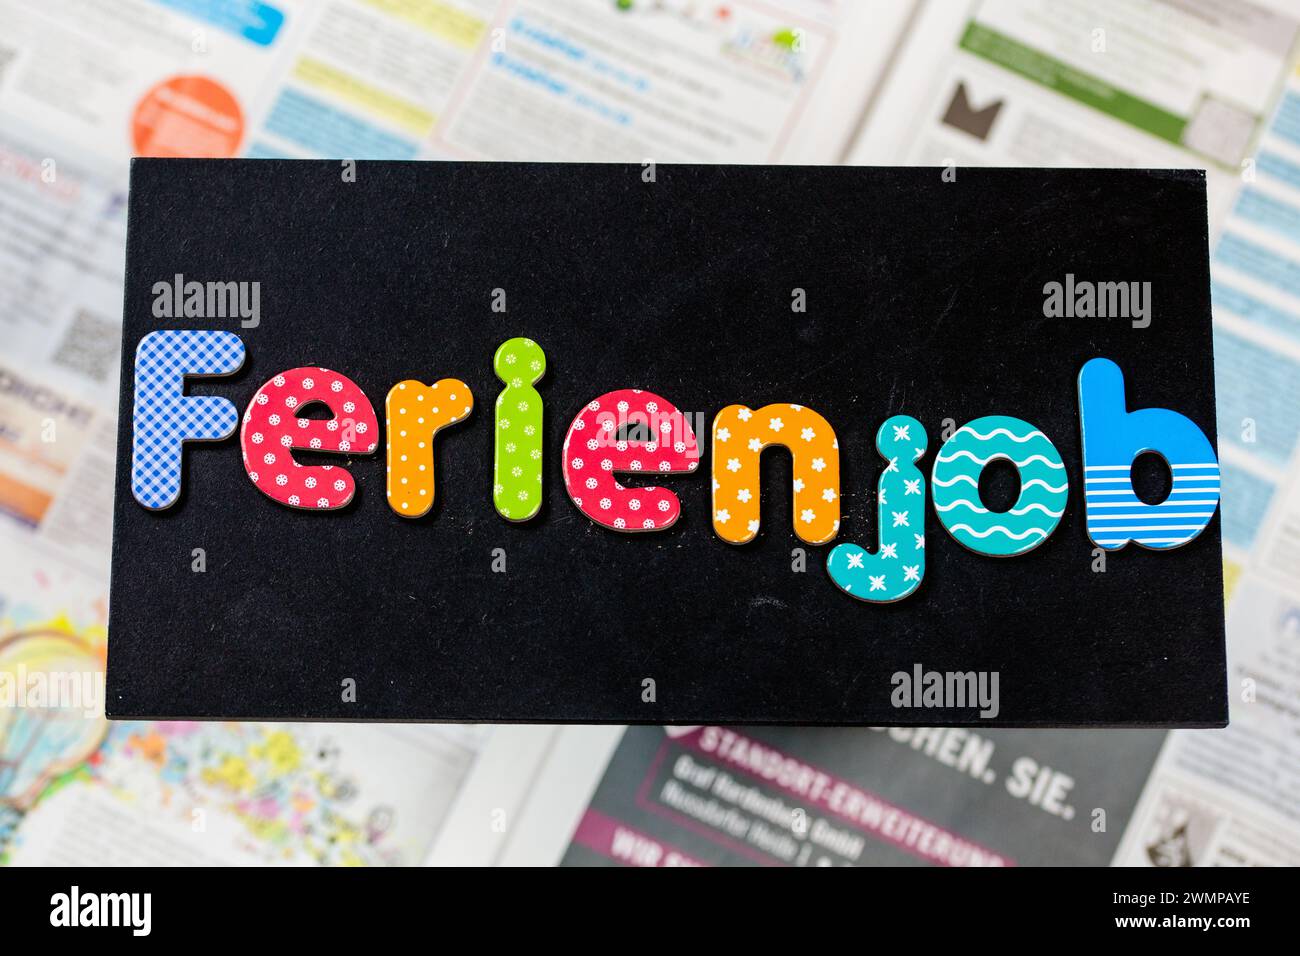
x=631 y=431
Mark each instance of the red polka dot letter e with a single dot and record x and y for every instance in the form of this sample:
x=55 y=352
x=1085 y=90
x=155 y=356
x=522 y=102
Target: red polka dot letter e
x=164 y=417
x=273 y=426
x=627 y=431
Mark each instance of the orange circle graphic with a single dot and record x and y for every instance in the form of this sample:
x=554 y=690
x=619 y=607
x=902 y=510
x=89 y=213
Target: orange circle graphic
x=187 y=116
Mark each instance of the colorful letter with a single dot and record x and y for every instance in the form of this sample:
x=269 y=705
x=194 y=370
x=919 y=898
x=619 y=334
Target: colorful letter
x=897 y=568
x=164 y=417
x=517 y=448
x=1044 y=486
x=1112 y=438
x=272 y=429
x=739 y=436
x=414 y=412
x=601 y=444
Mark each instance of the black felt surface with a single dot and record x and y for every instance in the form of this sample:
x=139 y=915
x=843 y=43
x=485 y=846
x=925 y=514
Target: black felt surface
x=924 y=298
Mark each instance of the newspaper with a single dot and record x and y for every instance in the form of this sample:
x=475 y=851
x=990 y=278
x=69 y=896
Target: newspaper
x=1155 y=83
x=87 y=84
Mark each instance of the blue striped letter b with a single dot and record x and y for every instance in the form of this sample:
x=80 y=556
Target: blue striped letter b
x=1112 y=438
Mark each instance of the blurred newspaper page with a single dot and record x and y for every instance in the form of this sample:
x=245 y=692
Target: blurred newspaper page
x=117 y=78
x=745 y=81
x=60 y=322
x=841 y=797
x=582 y=80
x=1093 y=83
x=652 y=796
x=1173 y=83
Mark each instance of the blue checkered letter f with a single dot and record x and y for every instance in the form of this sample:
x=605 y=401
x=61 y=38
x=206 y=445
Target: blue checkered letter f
x=165 y=417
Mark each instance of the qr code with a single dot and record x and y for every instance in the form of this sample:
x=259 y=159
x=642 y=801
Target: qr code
x=1220 y=131
x=90 y=346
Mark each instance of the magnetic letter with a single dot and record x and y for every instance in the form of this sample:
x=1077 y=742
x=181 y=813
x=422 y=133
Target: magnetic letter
x=898 y=566
x=414 y=413
x=164 y=417
x=629 y=430
x=1044 y=486
x=272 y=429
x=517 y=442
x=1112 y=438
x=739 y=436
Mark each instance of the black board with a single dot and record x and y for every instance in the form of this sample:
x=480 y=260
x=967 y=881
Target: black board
x=924 y=297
